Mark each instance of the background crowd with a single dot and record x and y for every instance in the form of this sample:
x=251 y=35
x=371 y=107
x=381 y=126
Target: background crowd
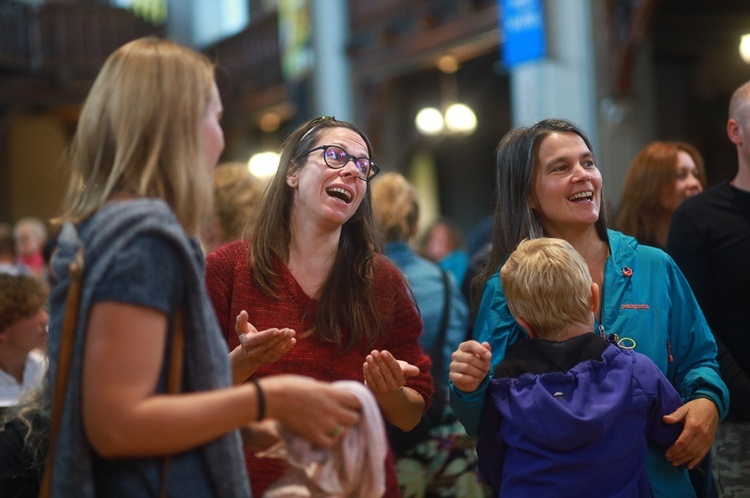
x=279 y=292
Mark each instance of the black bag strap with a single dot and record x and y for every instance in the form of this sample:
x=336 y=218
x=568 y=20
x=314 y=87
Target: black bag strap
x=437 y=348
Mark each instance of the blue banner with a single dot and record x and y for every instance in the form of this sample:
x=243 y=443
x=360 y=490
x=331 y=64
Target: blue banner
x=522 y=29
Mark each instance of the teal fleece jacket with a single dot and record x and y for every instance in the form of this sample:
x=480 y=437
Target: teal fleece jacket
x=647 y=301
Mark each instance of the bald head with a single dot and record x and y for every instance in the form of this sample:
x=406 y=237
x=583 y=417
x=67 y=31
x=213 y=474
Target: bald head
x=739 y=103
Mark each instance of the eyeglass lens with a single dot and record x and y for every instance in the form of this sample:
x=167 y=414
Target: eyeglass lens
x=336 y=157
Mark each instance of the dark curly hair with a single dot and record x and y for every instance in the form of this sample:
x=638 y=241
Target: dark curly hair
x=21 y=296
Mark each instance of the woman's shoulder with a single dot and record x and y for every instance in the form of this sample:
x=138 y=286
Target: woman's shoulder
x=626 y=248
x=229 y=252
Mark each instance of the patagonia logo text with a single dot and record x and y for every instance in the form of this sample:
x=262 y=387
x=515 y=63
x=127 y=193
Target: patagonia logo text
x=635 y=307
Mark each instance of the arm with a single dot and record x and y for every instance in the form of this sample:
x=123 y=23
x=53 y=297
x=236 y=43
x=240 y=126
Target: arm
x=736 y=380
x=664 y=400
x=691 y=249
x=257 y=348
x=496 y=328
x=386 y=377
x=249 y=347
x=694 y=373
x=491 y=449
x=124 y=417
x=397 y=371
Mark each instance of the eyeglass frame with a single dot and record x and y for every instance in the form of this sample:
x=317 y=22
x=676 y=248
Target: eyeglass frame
x=374 y=168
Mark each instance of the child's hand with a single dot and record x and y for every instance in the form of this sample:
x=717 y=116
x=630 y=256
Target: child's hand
x=470 y=365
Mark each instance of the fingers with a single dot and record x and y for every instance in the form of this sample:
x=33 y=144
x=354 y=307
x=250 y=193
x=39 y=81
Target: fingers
x=470 y=365
x=700 y=418
x=382 y=372
x=241 y=323
x=336 y=411
x=408 y=369
x=266 y=346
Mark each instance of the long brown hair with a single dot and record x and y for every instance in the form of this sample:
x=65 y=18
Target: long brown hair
x=347 y=295
x=649 y=180
x=514 y=218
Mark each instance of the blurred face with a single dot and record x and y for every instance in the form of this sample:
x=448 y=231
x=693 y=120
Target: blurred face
x=438 y=243
x=28 y=240
x=686 y=182
x=324 y=196
x=566 y=192
x=213 y=136
x=27 y=333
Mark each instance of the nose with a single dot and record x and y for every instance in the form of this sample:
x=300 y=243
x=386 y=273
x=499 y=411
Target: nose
x=694 y=183
x=581 y=174
x=350 y=167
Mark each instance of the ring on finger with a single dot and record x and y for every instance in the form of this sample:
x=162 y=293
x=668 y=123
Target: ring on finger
x=336 y=432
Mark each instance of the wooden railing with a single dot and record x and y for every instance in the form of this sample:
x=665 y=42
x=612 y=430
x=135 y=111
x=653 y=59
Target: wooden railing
x=251 y=59
x=379 y=22
x=64 y=36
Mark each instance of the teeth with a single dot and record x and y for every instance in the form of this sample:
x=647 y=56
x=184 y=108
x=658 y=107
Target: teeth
x=581 y=195
x=341 y=191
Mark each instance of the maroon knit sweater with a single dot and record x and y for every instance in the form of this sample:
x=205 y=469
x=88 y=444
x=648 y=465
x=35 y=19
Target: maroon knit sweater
x=231 y=288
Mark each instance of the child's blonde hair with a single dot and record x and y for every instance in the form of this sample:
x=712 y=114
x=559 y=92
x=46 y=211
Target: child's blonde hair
x=547 y=284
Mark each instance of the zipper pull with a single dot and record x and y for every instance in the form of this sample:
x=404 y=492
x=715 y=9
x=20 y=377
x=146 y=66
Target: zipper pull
x=601 y=331
x=669 y=352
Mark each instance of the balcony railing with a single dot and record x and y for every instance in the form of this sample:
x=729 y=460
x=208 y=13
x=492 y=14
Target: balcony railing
x=50 y=53
x=64 y=36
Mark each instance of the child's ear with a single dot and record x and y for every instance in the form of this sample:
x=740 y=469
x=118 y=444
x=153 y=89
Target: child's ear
x=595 y=294
x=525 y=325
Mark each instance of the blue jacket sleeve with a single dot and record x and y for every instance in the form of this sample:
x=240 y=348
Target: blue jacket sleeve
x=491 y=449
x=496 y=326
x=695 y=370
x=663 y=400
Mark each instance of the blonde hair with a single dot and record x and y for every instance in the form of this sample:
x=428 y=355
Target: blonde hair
x=140 y=132
x=33 y=226
x=237 y=194
x=547 y=283
x=395 y=206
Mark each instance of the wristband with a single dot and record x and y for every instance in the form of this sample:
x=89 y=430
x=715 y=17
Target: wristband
x=261 y=399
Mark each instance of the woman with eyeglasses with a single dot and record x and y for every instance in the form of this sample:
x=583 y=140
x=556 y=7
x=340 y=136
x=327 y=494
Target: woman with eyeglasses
x=548 y=185
x=309 y=292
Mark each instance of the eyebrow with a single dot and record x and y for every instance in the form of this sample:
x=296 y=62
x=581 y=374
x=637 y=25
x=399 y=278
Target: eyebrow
x=341 y=146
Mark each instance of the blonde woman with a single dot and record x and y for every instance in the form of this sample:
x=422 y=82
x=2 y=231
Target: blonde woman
x=147 y=142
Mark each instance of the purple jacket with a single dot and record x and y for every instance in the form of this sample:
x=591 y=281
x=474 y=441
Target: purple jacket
x=573 y=419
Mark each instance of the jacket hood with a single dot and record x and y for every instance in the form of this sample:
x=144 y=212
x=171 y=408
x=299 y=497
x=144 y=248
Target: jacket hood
x=564 y=410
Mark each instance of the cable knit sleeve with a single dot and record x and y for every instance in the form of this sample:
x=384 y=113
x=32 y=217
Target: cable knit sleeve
x=221 y=267
x=403 y=325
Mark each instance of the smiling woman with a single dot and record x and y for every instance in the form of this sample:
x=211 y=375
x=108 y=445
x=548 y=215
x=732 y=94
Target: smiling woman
x=313 y=293
x=660 y=178
x=548 y=185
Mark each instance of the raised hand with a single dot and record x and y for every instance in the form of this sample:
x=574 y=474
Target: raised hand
x=470 y=365
x=257 y=347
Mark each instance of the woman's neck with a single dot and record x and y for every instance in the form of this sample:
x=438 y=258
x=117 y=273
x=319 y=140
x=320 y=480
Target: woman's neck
x=311 y=256
x=594 y=251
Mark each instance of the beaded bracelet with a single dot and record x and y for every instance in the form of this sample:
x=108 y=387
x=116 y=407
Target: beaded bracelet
x=261 y=400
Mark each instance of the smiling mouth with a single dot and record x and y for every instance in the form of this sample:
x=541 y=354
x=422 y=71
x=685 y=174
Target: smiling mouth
x=587 y=195
x=340 y=193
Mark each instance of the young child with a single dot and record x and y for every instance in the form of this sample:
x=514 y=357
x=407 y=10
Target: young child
x=568 y=413
x=23 y=335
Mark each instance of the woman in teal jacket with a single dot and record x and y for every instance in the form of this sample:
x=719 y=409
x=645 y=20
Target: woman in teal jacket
x=548 y=184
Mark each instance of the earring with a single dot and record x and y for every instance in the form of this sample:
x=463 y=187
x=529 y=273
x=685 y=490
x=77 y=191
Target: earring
x=292 y=182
